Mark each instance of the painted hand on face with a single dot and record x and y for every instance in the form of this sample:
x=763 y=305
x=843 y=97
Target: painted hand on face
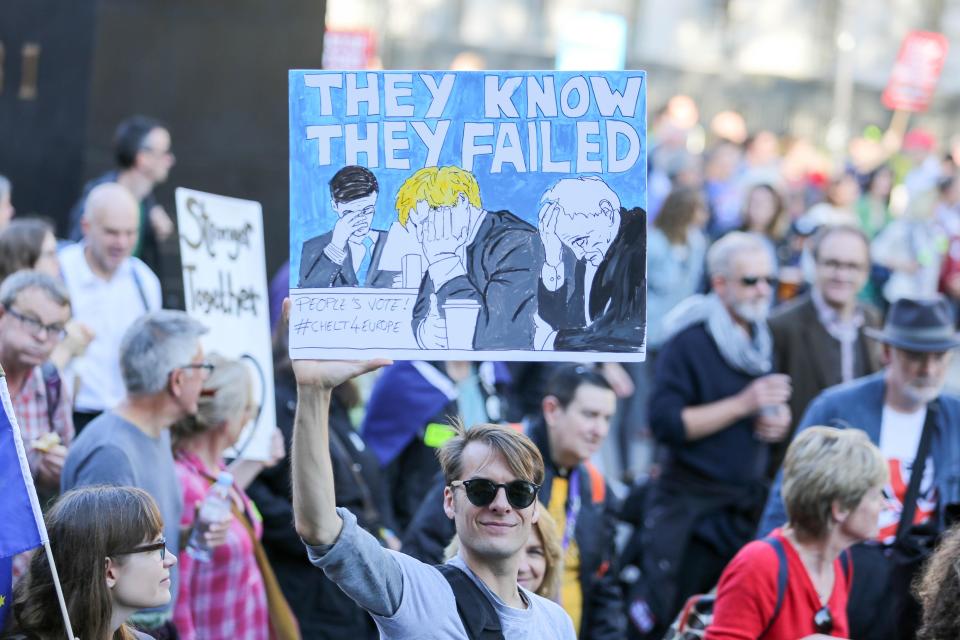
x=444 y=231
x=547 y=226
x=356 y=222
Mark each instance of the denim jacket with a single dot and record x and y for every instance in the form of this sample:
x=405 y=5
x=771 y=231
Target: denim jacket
x=859 y=404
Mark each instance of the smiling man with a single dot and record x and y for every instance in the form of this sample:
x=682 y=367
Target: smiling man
x=492 y=475
x=349 y=254
x=819 y=339
x=110 y=289
x=577 y=409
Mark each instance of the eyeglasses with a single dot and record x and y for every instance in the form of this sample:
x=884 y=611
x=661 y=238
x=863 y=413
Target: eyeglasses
x=823 y=620
x=34 y=326
x=481 y=492
x=752 y=281
x=160 y=545
x=837 y=265
x=205 y=367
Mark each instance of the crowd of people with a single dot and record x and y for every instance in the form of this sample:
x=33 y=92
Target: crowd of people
x=787 y=459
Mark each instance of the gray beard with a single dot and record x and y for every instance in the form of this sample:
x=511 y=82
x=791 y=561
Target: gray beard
x=752 y=311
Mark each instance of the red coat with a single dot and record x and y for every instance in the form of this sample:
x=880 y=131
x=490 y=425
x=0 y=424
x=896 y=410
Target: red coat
x=747 y=597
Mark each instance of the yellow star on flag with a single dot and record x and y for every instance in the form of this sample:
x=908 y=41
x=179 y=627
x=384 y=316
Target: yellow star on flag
x=3 y=600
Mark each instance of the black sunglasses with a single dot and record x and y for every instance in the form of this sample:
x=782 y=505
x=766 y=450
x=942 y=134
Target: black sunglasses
x=481 y=492
x=160 y=545
x=751 y=281
x=823 y=620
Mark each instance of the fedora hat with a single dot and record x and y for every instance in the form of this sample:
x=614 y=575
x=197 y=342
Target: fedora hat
x=918 y=325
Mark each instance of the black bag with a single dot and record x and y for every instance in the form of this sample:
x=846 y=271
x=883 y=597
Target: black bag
x=882 y=605
x=476 y=611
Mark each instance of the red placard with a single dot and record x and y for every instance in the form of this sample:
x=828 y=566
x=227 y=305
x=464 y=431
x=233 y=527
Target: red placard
x=348 y=49
x=916 y=71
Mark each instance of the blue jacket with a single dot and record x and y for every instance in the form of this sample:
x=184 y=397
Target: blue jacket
x=859 y=404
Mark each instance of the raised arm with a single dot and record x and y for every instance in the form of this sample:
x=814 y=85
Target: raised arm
x=314 y=501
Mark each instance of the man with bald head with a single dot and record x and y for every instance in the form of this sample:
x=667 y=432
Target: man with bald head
x=110 y=289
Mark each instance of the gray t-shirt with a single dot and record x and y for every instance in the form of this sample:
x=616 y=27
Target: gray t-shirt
x=111 y=450
x=410 y=600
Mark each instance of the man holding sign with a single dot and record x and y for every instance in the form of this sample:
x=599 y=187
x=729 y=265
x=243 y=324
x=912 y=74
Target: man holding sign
x=479 y=264
x=349 y=255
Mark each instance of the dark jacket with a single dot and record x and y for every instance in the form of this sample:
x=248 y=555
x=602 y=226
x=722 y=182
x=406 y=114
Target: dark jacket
x=321 y=607
x=859 y=404
x=617 y=295
x=804 y=350
x=691 y=372
x=501 y=275
x=317 y=270
x=603 y=617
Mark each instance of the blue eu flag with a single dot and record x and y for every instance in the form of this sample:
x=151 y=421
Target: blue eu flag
x=21 y=526
x=6 y=587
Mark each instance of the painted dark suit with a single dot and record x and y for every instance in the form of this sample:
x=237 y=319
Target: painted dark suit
x=617 y=296
x=318 y=270
x=501 y=276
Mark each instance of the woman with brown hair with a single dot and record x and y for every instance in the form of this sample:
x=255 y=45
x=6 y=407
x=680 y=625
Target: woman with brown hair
x=938 y=590
x=28 y=243
x=764 y=213
x=112 y=560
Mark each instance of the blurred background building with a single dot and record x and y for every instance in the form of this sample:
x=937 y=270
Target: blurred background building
x=215 y=71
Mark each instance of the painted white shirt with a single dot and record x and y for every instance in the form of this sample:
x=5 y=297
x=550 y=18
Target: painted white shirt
x=899 y=439
x=108 y=307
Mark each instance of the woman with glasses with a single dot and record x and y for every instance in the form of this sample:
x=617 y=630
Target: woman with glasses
x=833 y=482
x=112 y=560
x=234 y=595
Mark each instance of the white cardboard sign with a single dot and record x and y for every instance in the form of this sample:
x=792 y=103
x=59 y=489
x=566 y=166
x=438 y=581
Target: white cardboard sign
x=225 y=288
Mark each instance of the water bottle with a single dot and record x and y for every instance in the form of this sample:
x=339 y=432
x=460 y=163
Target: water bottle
x=214 y=508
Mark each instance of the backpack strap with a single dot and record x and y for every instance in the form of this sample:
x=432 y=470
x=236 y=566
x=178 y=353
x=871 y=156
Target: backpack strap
x=782 y=577
x=598 y=486
x=846 y=565
x=476 y=611
x=139 y=284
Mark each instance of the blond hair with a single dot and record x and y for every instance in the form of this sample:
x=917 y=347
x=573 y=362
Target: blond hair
x=521 y=455
x=438 y=187
x=546 y=528
x=826 y=465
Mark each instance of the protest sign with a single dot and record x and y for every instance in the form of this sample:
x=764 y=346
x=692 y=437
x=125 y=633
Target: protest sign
x=225 y=288
x=916 y=72
x=468 y=215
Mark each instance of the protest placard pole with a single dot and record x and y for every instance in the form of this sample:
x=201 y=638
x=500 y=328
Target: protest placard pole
x=56 y=584
x=6 y=405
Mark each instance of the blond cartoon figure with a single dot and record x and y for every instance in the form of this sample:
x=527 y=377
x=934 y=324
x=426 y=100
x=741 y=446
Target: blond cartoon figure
x=479 y=291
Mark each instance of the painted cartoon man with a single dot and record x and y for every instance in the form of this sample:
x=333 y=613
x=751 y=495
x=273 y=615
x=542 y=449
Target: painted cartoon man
x=349 y=254
x=592 y=291
x=489 y=257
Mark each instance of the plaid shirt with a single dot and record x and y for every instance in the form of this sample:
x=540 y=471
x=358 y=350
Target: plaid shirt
x=223 y=599
x=30 y=408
